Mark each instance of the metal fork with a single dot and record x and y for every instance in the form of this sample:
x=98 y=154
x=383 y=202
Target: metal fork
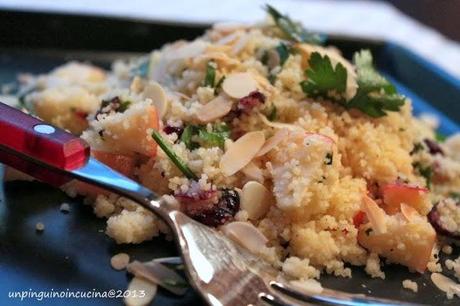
x=223 y=272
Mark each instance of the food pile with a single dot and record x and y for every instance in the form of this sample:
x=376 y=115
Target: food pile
x=265 y=130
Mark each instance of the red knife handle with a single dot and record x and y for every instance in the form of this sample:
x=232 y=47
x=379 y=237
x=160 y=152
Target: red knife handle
x=31 y=137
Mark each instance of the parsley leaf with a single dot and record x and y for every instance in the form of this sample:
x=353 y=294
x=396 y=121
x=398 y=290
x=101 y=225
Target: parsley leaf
x=424 y=171
x=195 y=136
x=323 y=80
x=180 y=164
x=293 y=30
x=375 y=95
x=210 y=76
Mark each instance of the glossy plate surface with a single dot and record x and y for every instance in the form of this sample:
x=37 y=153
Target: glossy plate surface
x=73 y=252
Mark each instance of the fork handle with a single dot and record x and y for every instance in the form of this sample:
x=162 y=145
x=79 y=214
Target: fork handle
x=23 y=134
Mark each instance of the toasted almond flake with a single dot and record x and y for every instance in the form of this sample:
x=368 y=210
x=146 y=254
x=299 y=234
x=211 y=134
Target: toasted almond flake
x=273 y=141
x=445 y=284
x=239 y=85
x=156 y=93
x=136 y=85
x=253 y=172
x=229 y=39
x=222 y=59
x=241 y=152
x=309 y=286
x=280 y=125
x=214 y=109
x=246 y=234
x=145 y=292
x=119 y=261
x=255 y=199
x=157 y=273
x=240 y=44
x=319 y=137
x=375 y=214
x=409 y=212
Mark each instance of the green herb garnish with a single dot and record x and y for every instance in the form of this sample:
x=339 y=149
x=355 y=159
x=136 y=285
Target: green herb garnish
x=210 y=76
x=293 y=30
x=417 y=148
x=323 y=80
x=195 y=136
x=180 y=164
x=424 y=171
x=219 y=85
x=272 y=114
x=173 y=283
x=455 y=195
x=123 y=106
x=440 y=137
x=375 y=95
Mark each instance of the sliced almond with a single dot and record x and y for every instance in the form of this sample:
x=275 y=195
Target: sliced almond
x=119 y=261
x=253 y=172
x=239 y=85
x=445 y=284
x=240 y=153
x=273 y=141
x=246 y=234
x=142 y=291
x=156 y=93
x=280 y=125
x=214 y=109
x=375 y=214
x=255 y=199
x=409 y=212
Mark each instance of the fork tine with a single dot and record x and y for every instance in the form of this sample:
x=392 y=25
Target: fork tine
x=272 y=300
x=332 y=297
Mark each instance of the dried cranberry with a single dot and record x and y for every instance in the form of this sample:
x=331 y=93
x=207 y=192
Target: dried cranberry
x=434 y=217
x=433 y=147
x=81 y=114
x=169 y=129
x=211 y=213
x=252 y=100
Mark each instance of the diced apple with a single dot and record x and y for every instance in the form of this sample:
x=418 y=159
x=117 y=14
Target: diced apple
x=395 y=194
x=130 y=132
x=121 y=163
x=404 y=242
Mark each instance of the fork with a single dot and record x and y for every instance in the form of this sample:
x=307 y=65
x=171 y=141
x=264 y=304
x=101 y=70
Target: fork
x=223 y=272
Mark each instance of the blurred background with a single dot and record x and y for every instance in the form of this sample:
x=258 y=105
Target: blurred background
x=430 y=28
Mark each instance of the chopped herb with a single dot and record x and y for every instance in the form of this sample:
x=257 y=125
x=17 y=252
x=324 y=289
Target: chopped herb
x=283 y=51
x=417 y=148
x=174 y=283
x=375 y=95
x=293 y=30
x=329 y=158
x=210 y=76
x=455 y=195
x=272 y=78
x=219 y=85
x=195 y=136
x=323 y=80
x=123 y=106
x=186 y=137
x=440 y=137
x=424 y=171
x=272 y=114
x=180 y=164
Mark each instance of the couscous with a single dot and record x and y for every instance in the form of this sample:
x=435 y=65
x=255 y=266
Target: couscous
x=265 y=125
